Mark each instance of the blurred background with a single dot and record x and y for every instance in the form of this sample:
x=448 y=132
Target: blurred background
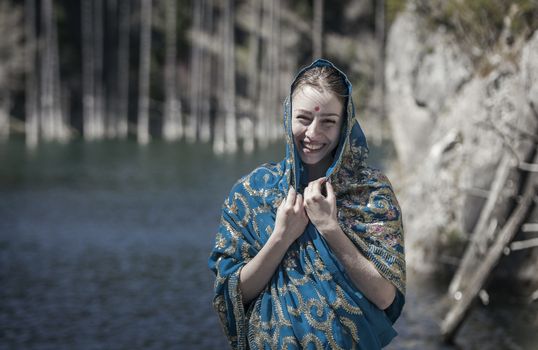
x=124 y=124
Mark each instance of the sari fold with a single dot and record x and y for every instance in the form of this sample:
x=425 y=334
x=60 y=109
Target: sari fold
x=310 y=302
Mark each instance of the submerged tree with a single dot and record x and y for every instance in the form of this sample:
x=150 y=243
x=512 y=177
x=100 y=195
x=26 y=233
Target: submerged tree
x=31 y=93
x=228 y=98
x=122 y=118
x=172 y=123
x=93 y=67
x=144 y=72
x=317 y=29
x=53 y=120
x=232 y=83
x=206 y=75
x=247 y=124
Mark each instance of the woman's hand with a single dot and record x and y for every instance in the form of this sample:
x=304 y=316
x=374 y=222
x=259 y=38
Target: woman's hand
x=321 y=210
x=290 y=223
x=291 y=218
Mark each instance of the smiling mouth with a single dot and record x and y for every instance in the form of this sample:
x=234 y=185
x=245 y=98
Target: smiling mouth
x=312 y=147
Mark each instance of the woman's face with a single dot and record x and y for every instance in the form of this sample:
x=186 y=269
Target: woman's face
x=316 y=121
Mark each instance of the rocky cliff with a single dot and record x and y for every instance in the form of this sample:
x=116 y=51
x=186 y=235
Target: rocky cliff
x=452 y=124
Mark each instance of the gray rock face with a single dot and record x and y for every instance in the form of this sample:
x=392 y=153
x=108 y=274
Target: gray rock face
x=451 y=126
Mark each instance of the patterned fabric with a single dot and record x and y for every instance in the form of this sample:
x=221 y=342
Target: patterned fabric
x=310 y=302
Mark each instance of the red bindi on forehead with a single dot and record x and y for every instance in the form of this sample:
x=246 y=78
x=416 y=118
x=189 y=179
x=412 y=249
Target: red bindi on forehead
x=316 y=108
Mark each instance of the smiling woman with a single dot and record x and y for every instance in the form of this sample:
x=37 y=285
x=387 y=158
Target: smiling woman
x=316 y=123
x=309 y=253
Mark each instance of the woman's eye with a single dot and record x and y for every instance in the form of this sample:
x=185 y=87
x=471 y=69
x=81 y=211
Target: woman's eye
x=329 y=121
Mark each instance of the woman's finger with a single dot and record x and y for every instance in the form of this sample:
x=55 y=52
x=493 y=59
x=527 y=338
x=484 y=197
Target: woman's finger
x=290 y=200
x=306 y=192
x=298 y=203
x=316 y=187
x=330 y=192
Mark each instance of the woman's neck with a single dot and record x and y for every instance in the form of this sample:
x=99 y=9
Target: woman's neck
x=315 y=171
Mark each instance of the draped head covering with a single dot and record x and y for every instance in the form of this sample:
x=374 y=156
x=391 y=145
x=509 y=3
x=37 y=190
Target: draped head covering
x=310 y=302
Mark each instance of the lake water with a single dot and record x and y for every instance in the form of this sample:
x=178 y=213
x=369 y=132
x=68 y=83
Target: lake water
x=104 y=245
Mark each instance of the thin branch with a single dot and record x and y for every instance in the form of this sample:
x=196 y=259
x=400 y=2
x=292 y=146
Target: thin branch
x=506 y=142
x=534 y=109
x=534 y=296
x=523 y=133
x=530 y=167
x=525 y=244
x=474 y=191
x=530 y=227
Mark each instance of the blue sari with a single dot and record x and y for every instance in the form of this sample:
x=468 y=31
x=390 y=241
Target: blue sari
x=310 y=301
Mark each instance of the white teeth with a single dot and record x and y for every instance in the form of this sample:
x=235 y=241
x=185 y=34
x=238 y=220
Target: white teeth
x=313 y=147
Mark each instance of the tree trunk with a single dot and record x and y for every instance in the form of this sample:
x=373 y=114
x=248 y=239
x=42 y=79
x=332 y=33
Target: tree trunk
x=253 y=74
x=275 y=72
x=229 y=77
x=206 y=78
x=480 y=270
x=144 y=72
x=317 y=29
x=99 y=78
x=379 y=78
x=122 y=118
x=111 y=69
x=269 y=119
x=4 y=114
x=191 y=129
x=264 y=122
x=88 y=68
x=172 y=123
x=53 y=121
x=31 y=110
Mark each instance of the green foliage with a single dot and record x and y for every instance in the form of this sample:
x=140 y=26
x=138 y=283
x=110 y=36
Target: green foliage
x=480 y=24
x=392 y=8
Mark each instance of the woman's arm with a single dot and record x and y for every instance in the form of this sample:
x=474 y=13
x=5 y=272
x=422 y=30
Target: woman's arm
x=290 y=223
x=361 y=270
x=323 y=213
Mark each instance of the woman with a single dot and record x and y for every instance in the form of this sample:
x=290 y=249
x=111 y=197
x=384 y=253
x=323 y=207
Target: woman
x=309 y=253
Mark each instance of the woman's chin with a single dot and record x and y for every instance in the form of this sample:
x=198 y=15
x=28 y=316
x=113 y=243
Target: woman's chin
x=313 y=159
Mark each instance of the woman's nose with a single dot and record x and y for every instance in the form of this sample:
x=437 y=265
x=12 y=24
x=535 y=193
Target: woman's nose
x=312 y=129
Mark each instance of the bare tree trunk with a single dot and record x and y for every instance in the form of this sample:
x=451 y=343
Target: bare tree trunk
x=269 y=119
x=263 y=121
x=191 y=129
x=52 y=126
x=144 y=72
x=206 y=77
x=317 y=29
x=122 y=118
x=219 y=139
x=31 y=110
x=4 y=114
x=98 y=52
x=111 y=69
x=379 y=80
x=172 y=123
x=253 y=74
x=229 y=76
x=88 y=69
x=275 y=71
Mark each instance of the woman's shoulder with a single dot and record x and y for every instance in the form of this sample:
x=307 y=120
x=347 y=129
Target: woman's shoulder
x=262 y=177
x=374 y=176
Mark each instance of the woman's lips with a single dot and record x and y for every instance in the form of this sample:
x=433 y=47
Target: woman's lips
x=311 y=147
